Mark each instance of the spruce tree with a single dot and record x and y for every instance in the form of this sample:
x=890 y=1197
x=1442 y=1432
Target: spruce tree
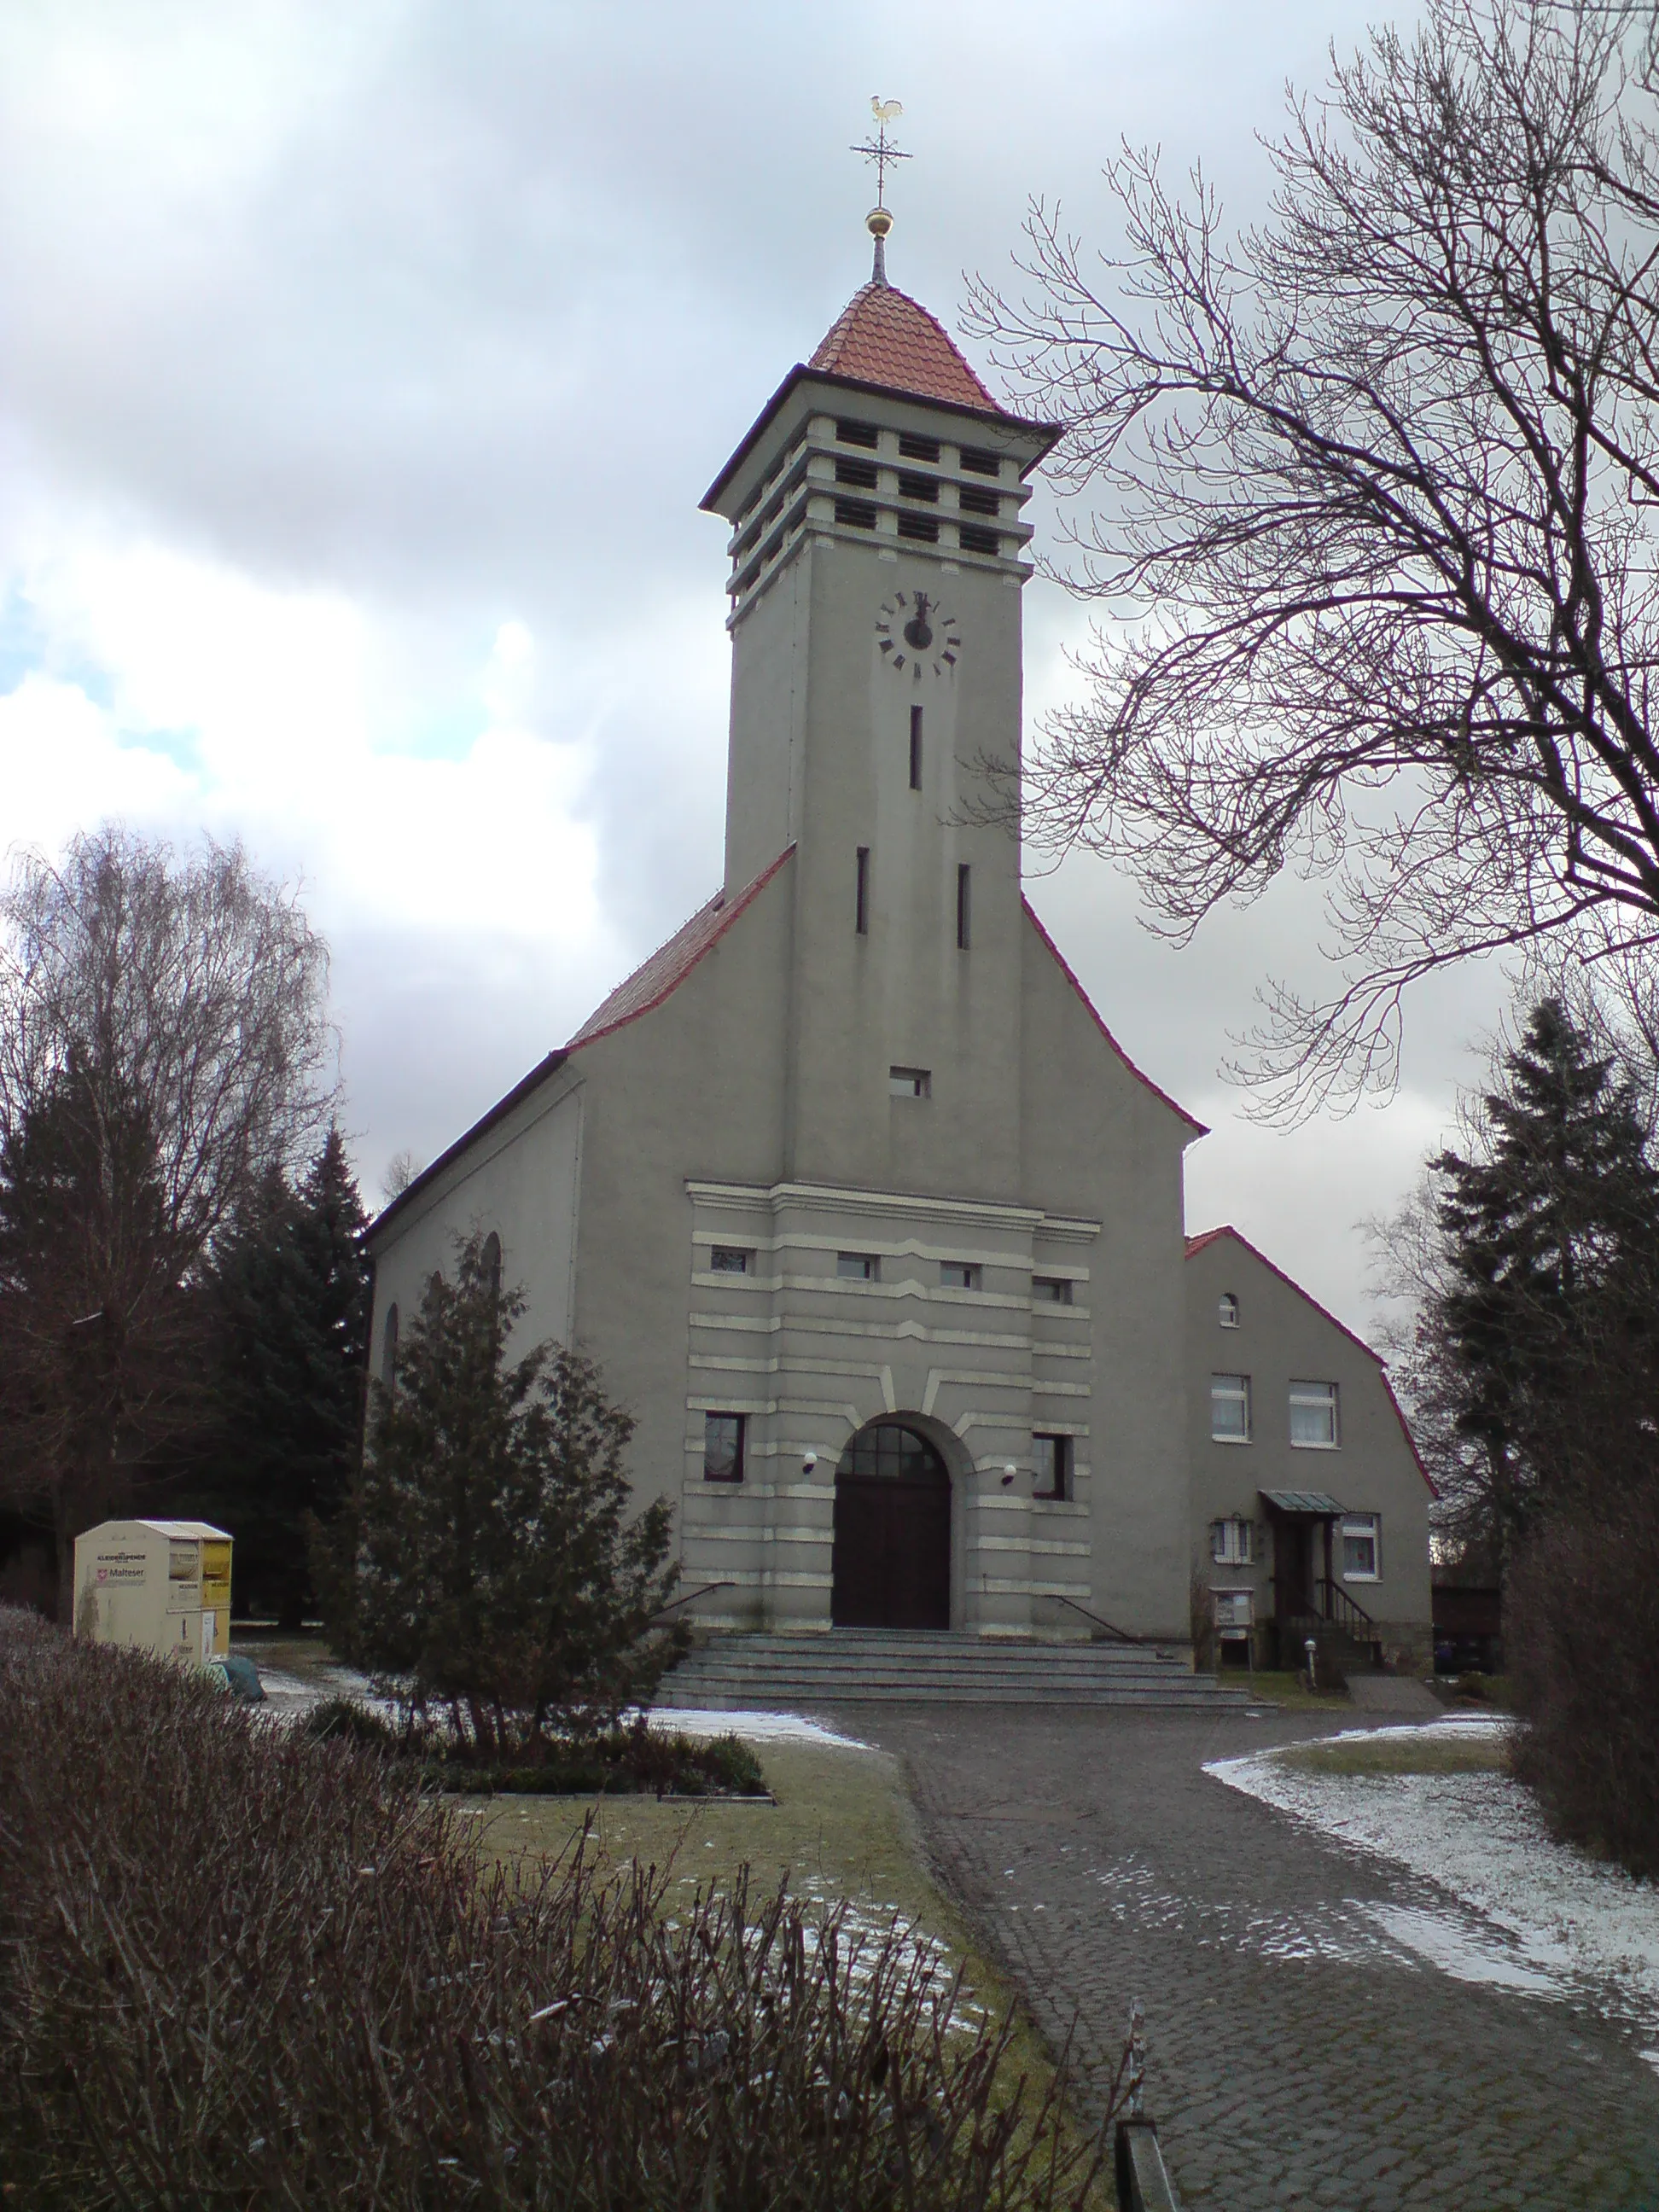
x=483 y=1563
x=1546 y=1324
x=291 y=1291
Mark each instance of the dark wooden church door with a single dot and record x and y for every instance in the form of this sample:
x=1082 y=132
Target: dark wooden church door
x=891 y=1562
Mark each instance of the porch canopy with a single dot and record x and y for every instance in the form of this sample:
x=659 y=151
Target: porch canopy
x=1303 y=1505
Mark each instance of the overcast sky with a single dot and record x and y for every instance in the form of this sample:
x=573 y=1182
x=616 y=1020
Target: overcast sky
x=360 y=369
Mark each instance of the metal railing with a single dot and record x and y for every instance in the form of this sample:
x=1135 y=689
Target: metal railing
x=687 y=1600
x=1344 y=1611
x=1121 y=1634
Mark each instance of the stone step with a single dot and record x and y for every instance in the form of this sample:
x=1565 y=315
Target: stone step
x=898 y=1671
x=1193 y=1698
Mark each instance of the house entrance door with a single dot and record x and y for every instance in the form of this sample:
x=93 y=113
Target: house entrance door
x=891 y=1562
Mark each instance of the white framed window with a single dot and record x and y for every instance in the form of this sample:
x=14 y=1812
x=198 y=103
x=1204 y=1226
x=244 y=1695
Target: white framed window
x=1051 y=1289
x=1313 y=1416
x=1230 y=1408
x=1362 y=1547
x=910 y=1082
x=723 y=1441
x=957 y=1275
x=1232 y=1542
x=729 y=1259
x=1227 y=1310
x=858 y=1267
x=1052 y=1467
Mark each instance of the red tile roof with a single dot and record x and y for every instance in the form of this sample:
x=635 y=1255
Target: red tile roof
x=1202 y=1129
x=883 y=336
x=669 y=966
x=1201 y=1244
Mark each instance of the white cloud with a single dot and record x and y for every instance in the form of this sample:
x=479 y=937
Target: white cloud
x=361 y=371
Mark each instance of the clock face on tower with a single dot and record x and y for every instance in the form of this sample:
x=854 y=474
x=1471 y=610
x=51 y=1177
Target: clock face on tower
x=916 y=636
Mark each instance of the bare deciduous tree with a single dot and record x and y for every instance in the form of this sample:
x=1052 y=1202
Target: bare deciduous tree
x=163 y=1045
x=1371 y=489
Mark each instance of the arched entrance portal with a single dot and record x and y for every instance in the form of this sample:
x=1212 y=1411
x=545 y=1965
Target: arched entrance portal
x=891 y=1564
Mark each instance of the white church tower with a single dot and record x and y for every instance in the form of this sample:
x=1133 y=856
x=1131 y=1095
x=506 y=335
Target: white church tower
x=865 y=1217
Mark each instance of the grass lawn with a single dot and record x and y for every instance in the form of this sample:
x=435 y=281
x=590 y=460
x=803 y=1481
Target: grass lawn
x=1477 y=1751
x=1286 y=1690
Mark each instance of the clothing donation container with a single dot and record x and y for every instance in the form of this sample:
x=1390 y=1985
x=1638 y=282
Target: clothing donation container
x=161 y=1586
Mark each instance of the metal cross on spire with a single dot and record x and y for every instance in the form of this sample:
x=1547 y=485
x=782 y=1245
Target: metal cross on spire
x=881 y=150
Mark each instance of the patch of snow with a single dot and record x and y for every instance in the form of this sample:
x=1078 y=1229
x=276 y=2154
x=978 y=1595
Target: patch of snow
x=1523 y=1911
x=753 y=1728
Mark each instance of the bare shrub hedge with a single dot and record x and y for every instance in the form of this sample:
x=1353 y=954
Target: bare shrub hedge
x=241 y=1968
x=1582 y=1614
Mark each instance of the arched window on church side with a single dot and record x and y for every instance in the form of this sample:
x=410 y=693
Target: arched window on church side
x=1228 y=1313
x=389 y=1347
x=491 y=1256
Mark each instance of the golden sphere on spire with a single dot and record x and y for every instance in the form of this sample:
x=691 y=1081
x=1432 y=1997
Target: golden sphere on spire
x=878 y=223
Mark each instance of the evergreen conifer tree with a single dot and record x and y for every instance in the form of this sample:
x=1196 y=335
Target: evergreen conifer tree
x=290 y=1288
x=1545 y=1321
x=483 y=1563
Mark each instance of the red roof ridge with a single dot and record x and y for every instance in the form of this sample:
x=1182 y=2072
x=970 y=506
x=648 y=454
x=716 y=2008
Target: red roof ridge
x=1208 y=1237
x=664 y=970
x=882 y=336
x=1139 y=1075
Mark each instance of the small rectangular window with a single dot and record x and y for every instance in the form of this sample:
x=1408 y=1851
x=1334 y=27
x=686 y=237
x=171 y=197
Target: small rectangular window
x=957 y=1275
x=913 y=448
x=915 y=749
x=727 y=1260
x=974 y=501
x=918 y=487
x=1232 y=1542
x=922 y=527
x=855 y=514
x=860 y=474
x=973 y=539
x=1313 y=1416
x=858 y=1267
x=722 y=1447
x=1230 y=1408
x=964 y=906
x=861 y=896
x=1051 y=1289
x=857 y=434
x=1362 y=1547
x=978 y=463
x=910 y=1082
x=1053 y=1466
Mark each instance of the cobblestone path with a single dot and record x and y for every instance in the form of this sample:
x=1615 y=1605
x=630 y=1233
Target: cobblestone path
x=1295 y=2055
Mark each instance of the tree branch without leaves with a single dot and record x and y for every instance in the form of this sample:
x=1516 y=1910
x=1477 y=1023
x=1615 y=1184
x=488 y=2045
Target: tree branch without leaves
x=1370 y=492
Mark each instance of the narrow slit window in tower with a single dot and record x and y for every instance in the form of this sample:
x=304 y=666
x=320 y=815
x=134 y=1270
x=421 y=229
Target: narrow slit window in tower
x=915 y=749
x=964 y=906
x=861 y=900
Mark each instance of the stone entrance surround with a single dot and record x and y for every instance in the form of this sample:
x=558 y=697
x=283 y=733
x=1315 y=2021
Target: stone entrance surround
x=810 y=1358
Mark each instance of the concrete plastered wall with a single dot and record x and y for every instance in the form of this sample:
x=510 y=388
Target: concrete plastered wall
x=1099 y=1141
x=1282 y=1336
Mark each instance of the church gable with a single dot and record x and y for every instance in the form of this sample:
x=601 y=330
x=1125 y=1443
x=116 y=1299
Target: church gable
x=654 y=979
x=1053 y=958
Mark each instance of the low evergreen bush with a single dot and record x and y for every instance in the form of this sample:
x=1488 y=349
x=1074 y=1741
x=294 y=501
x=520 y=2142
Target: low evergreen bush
x=239 y=1967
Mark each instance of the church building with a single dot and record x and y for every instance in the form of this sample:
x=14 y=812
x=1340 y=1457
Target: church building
x=863 y=1213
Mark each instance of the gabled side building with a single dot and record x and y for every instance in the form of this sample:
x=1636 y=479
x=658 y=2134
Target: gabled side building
x=1311 y=1506
x=865 y=1215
